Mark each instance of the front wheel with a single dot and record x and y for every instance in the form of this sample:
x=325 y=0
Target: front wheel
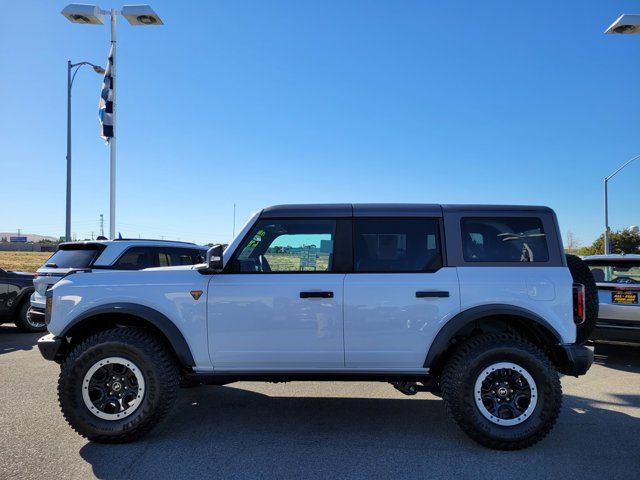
x=117 y=385
x=502 y=391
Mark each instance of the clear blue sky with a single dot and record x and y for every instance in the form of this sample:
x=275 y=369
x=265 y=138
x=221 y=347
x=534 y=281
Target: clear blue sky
x=261 y=102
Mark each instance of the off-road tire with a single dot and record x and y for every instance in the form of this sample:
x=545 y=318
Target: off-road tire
x=467 y=363
x=22 y=321
x=581 y=274
x=157 y=365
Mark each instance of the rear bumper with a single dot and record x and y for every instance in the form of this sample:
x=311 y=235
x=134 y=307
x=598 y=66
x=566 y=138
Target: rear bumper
x=50 y=347
x=37 y=301
x=574 y=360
x=616 y=331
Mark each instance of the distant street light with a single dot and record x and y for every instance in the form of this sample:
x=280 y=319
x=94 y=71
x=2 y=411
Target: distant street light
x=624 y=24
x=70 y=78
x=94 y=15
x=607 y=245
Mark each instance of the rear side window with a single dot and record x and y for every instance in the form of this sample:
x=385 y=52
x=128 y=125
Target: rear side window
x=73 y=258
x=397 y=245
x=137 y=258
x=504 y=239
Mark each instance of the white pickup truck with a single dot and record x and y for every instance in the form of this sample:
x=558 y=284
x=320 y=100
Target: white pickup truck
x=478 y=304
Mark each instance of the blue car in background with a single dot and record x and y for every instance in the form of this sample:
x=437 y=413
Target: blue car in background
x=618 y=279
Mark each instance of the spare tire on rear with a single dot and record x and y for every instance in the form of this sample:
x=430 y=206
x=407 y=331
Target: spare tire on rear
x=581 y=274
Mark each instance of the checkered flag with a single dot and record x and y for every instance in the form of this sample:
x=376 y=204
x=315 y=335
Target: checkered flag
x=105 y=112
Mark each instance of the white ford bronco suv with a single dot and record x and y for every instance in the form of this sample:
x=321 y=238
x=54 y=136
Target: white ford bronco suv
x=477 y=304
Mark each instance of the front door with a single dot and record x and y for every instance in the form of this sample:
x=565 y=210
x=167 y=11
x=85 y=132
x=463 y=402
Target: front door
x=399 y=294
x=278 y=305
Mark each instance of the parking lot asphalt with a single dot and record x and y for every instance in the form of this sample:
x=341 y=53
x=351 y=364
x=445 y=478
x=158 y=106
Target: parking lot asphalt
x=316 y=430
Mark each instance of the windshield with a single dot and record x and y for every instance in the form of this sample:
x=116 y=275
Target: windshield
x=616 y=272
x=73 y=258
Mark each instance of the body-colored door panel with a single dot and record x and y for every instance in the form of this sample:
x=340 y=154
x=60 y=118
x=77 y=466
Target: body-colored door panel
x=392 y=318
x=260 y=321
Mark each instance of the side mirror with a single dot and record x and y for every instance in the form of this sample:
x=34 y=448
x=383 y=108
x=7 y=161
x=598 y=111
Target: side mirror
x=214 y=258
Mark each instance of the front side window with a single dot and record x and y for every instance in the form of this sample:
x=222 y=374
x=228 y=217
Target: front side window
x=504 y=239
x=133 y=259
x=171 y=257
x=287 y=246
x=397 y=245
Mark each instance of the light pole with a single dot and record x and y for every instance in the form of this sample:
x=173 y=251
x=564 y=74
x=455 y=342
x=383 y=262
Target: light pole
x=607 y=246
x=625 y=24
x=70 y=78
x=136 y=15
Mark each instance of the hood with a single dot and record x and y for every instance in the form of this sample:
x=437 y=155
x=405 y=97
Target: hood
x=21 y=274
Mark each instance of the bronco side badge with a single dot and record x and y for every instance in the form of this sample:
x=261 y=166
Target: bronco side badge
x=196 y=294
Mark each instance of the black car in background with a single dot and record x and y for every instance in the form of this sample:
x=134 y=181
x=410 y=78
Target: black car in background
x=15 y=290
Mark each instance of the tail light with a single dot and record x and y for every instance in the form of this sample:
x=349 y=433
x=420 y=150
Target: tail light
x=579 y=304
x=35 y=275
x=48 y=306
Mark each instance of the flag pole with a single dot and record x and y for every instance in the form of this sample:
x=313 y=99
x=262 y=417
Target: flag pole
x=112 y=140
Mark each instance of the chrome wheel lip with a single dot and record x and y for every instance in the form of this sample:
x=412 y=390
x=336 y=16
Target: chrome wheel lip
x=94 y=368
x=477 y=394
x=32 y=323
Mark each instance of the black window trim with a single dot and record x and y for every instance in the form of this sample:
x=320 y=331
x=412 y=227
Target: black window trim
x=439 y=239
x=349 y=267
x=228 y=266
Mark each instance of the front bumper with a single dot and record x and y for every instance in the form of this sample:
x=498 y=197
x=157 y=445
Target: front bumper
x=51 y=347
x=573 y=359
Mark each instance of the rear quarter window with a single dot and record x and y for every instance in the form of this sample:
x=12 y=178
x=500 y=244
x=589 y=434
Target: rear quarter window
x=73 y=258
x=504 y=240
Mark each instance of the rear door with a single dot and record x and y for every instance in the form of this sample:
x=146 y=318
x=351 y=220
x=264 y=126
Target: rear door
x=278 y=305
x=399 y=294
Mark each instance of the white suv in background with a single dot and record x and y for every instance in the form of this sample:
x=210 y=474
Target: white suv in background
x=119 y=254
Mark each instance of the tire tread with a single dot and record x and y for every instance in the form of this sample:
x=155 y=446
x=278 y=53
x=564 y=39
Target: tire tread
x=151 y=346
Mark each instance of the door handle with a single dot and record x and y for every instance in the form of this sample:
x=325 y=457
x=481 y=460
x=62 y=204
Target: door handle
x=316 y=294
x=432 y=294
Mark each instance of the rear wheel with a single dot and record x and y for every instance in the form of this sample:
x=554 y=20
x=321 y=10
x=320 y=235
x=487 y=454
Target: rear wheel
x=28 y=323
x=117 y=385
x=502 y=391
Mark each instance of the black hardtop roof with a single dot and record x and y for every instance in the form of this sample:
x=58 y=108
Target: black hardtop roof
x=387 y=209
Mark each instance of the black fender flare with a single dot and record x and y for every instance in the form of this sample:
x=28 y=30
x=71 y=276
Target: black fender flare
x=160 y=321
x=25 y=293
x=441 y=342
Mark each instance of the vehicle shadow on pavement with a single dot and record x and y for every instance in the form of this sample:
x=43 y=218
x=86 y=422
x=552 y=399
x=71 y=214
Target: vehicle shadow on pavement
x=619 y=357
x=229 y=432
x=12 y=339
